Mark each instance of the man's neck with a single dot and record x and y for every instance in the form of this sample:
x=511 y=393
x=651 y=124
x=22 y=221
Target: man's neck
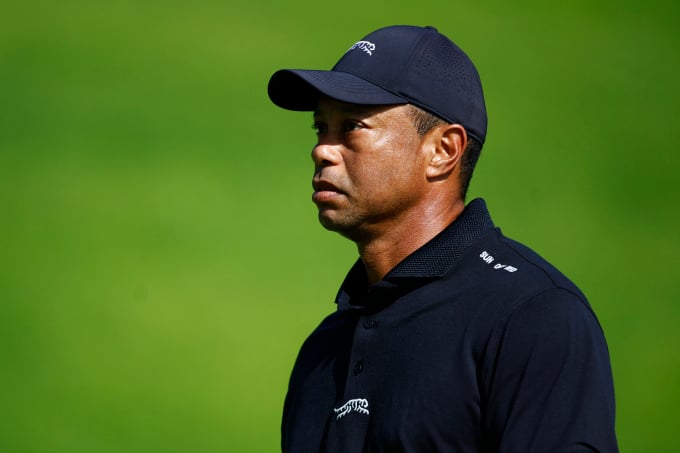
x=382 y=252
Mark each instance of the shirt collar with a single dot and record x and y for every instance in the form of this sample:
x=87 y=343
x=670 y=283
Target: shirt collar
x=430 y=262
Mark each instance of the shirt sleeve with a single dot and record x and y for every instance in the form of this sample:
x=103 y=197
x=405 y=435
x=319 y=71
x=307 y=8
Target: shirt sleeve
x=547 y=382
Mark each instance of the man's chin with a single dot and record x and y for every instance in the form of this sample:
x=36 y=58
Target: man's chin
x=348 y=228
x=330 y=220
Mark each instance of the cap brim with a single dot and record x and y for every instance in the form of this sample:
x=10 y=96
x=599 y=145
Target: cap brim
x=295 y=89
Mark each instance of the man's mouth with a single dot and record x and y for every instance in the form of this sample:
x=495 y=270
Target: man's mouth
x=325 y=191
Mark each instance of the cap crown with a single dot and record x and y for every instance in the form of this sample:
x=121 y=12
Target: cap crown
x=424 y=67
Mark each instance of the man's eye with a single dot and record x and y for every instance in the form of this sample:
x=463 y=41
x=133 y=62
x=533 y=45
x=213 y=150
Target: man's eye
x=350 y=126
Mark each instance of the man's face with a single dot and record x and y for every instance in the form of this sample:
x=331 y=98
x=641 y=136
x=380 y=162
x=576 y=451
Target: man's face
x=369 y=167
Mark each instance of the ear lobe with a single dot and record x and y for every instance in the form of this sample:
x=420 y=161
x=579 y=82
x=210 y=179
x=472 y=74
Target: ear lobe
x=448 y=144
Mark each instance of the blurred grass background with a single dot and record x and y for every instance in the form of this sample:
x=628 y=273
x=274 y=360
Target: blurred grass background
x=160 y=260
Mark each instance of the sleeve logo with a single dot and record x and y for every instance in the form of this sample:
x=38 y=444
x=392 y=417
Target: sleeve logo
x=488 y=259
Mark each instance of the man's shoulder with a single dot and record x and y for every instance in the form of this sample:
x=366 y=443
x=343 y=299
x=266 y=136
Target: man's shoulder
x=511 y=273
x=336 y=325
x=501 y=282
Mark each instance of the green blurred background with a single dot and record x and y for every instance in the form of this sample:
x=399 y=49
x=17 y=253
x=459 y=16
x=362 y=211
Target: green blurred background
x=160 y=259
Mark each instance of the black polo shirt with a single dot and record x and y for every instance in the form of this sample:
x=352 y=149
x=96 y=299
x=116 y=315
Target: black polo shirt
x=472 y=343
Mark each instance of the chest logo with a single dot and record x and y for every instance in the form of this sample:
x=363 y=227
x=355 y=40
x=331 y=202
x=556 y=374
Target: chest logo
x=359 y=405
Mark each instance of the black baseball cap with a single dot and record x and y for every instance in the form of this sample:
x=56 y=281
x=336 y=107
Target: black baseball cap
x=401 y=64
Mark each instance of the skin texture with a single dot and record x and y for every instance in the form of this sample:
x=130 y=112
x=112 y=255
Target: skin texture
x=380 y=184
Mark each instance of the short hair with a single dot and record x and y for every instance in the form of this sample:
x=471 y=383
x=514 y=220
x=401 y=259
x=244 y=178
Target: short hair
x=425 y=121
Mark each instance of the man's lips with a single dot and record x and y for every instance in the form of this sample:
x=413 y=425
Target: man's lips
x=325 y=191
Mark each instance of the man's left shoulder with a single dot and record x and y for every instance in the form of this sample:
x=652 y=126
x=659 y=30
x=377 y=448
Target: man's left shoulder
x=510 y=266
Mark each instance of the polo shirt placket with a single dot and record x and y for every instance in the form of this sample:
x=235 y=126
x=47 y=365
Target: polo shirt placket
x=352 y=409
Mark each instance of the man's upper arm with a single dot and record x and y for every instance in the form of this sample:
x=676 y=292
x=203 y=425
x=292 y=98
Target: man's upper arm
x=547 y=379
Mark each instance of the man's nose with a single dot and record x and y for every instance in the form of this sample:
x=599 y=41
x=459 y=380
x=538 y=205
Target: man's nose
x=326 y=154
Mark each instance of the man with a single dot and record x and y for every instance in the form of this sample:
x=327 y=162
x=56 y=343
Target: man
x=448 y=336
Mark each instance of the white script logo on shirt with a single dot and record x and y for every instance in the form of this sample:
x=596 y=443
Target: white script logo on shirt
x=488 y=259
x=359 y=405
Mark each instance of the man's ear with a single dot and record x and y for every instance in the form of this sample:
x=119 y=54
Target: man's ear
x=447 y=144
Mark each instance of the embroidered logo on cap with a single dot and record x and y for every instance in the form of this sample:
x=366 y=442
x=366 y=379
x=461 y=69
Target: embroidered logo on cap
x=366 y=46
x=359 y=405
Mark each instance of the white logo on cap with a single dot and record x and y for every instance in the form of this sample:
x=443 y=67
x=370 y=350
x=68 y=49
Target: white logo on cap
x=366 y=46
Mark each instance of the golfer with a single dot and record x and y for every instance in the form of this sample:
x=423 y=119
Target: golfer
x=448 y=336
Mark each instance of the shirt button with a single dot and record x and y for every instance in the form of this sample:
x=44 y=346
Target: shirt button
x=369 y=324
x=358 y=368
